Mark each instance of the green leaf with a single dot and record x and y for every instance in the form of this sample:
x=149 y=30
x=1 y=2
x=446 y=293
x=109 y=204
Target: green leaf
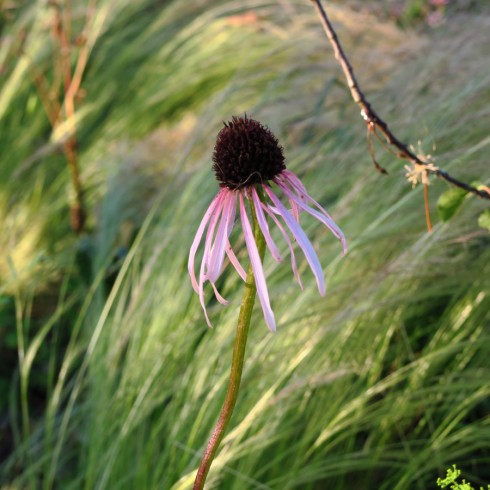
x=449 y=202
x=484 y=219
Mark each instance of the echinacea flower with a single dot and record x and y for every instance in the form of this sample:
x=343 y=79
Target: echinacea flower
x=247 y=159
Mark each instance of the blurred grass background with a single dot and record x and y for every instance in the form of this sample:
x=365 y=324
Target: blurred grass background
x=109 y=377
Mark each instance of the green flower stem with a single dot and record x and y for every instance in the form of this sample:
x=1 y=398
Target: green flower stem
x=236 y=364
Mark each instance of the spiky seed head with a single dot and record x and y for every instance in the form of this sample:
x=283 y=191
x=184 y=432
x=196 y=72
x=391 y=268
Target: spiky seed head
x=246 y=153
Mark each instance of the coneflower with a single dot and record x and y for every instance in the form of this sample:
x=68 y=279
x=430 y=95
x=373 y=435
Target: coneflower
x=248 y=160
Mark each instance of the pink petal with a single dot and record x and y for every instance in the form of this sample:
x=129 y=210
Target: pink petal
x=217 y=254
x=294 y=180
x=291 y=179
x=323 y=217
x=257 y=268
x=218 y=296
x=231 y=220
x=197 y=239
x=207 y=250
x=229 y=251
x=294 y=210
x=234 y=261
x=201 y=295
x=269 y=211
x=264 y=227
x=302 y=240
x=210 y=242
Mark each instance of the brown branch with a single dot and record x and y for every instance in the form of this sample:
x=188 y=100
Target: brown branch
x=372 y=118
x=62 y=30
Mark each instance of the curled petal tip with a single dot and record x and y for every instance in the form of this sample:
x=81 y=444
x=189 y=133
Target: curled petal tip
x=270 y=321
x=344 y=246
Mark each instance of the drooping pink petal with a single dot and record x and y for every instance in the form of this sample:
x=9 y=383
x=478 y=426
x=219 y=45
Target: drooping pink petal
x=295 y=185
x=264 y=227
x=210 y=235
x=207 y=250
x=228 y=249
x=303 y=199
x=231 y=217
x=292 y=180
x=197 y=239
x=253 y=252
x=201 y=295
x=217 y=254
x=234 y=261
x=323 y=217
x=274 y=210
x=294 y=210
x=220 y=298
x=268 y=210
x=302 y=240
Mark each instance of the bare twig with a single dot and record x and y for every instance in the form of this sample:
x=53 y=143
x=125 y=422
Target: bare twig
x=373 y=120
x=62 y=33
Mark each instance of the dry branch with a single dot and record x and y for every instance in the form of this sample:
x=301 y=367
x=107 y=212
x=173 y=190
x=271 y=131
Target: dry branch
x=372 y=119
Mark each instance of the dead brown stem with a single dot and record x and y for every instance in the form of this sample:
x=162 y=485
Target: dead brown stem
x=62 y=34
